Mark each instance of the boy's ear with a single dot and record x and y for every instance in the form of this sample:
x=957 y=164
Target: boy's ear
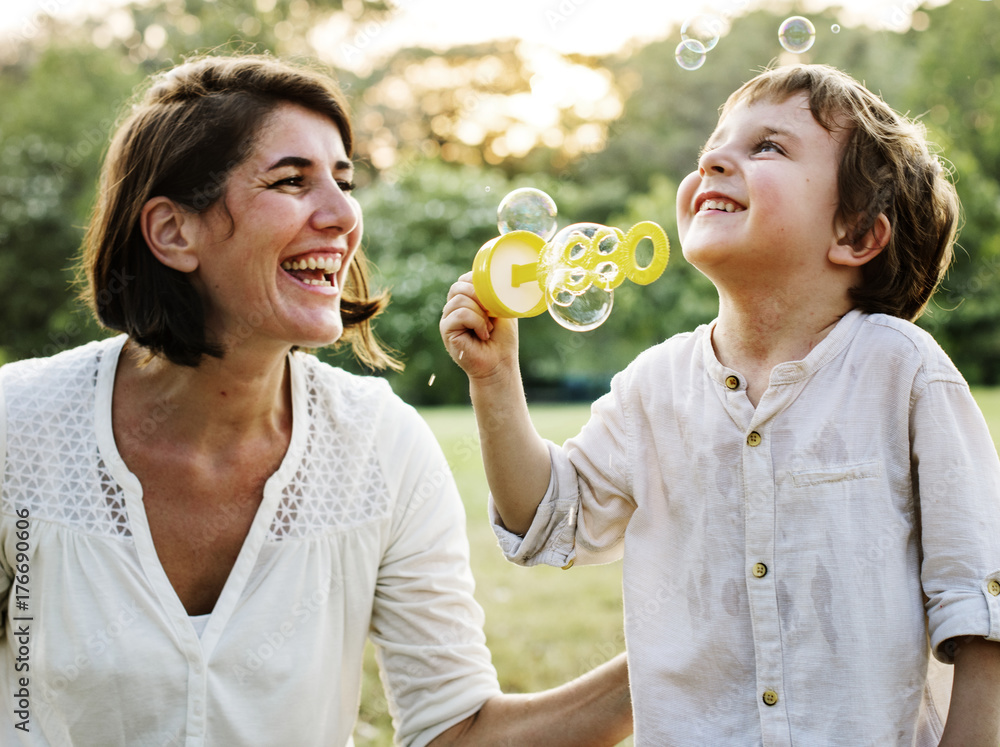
x=169 y=230
x=866 y=249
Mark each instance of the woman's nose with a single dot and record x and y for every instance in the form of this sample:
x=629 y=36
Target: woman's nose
x=336 y=211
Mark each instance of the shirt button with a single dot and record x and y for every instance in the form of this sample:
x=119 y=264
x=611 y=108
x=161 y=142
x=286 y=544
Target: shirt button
x=754 y=438
x=770 y=697
x=993 y=587
x=732 y=382
x=759 y=570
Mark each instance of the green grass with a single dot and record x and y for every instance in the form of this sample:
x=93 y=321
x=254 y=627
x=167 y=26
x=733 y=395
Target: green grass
x=544 y=626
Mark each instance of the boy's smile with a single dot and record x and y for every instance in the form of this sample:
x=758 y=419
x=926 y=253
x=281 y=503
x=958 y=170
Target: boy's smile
x=764 y=198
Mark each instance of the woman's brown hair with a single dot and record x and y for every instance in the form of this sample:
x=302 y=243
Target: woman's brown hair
x=182 y=138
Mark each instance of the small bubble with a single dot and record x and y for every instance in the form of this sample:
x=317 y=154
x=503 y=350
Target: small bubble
x=431 y=380
x=487 y=189
x=797 y=34
x=704 y=28
x=690 y=54
x=835 y=28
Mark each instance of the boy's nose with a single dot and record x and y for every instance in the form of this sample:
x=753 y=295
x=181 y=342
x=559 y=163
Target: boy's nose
x=713 y=161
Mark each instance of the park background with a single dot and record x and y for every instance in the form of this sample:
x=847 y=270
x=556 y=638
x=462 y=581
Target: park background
x=455 y=104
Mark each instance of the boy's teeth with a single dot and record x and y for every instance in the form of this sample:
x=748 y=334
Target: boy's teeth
x=729 y=207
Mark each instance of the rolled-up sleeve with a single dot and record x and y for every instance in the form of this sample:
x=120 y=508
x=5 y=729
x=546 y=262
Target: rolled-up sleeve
x=958 y=479
x=585 y=511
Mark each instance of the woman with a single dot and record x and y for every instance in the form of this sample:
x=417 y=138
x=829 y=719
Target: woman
x=200 y=522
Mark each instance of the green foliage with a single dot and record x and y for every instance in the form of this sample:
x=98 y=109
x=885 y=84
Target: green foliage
x=957 y=82
x=53 y=130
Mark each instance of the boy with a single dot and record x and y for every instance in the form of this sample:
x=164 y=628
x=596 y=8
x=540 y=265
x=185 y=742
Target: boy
x=808 y=493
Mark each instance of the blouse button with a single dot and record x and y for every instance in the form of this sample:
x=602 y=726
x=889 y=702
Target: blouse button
x=759 y=570
x=732 y=382
x=770 y=697
x=754 y=438
x=993 y=587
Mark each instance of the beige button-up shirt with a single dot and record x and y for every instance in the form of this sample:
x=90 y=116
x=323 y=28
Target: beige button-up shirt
x=789 y=568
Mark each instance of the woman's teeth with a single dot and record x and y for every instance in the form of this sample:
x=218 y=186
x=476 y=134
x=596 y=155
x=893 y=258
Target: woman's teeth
x=327 y=264
x=306 y=269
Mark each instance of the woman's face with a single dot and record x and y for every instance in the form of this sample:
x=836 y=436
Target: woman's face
x=275 y=271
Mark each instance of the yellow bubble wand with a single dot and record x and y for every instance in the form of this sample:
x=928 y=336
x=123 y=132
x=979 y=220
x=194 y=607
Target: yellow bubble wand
x=532 y=267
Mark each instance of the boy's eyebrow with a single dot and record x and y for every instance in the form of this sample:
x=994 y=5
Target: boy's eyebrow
x=769 y=131
x=764 y=131
x=305 y=163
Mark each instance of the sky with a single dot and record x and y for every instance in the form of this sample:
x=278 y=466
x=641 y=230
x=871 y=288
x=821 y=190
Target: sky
x=566 y=25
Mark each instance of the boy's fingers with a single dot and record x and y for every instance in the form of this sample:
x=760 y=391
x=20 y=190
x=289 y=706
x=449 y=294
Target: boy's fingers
x=463 y=314
x=463 y=286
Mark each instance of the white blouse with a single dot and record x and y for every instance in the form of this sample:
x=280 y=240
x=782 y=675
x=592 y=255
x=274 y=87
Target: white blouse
x=361 y=533
x=786 y=565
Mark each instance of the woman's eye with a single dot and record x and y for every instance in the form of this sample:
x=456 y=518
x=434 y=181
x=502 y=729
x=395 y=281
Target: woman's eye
x=292 y=181
x=346 y=186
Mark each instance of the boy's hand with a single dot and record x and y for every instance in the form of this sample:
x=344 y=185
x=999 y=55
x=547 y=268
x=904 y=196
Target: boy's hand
x=483 y=346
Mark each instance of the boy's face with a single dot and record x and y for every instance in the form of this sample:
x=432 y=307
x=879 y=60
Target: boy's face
x=763 y=202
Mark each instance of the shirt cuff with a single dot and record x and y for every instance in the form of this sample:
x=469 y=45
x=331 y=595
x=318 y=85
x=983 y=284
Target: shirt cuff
x=550 y=540
x=967 y=616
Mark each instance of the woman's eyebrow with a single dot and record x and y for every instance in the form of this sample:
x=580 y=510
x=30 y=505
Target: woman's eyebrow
x=305 y=163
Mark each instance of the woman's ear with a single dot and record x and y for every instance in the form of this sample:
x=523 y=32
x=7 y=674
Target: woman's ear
x=849 y=254
x=169 y=230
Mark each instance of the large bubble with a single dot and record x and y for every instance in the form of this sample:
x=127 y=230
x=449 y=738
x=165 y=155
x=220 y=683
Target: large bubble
x=690 y=54
x=705 y=28
x=797 y=34
x=579 y=298
x=527 y=209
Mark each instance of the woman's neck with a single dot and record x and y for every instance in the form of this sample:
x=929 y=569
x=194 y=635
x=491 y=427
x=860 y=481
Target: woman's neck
x=210 y=407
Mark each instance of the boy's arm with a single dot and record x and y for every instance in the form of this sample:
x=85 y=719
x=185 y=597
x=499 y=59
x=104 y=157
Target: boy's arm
x=515 y=457
x=592 y=710
x=974 y=712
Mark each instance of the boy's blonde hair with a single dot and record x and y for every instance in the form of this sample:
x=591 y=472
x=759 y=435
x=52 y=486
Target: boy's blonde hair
x=885 y=167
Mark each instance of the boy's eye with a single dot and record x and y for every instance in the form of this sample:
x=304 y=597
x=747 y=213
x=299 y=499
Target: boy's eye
x=346 y=186
x=767 y=146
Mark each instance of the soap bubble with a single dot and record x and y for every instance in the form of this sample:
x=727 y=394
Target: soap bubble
x=578 y=297
x=690 y=54
x=797 y=34
x=577 y=310
x=527 y=209
x=704 y=28
x=835 y=28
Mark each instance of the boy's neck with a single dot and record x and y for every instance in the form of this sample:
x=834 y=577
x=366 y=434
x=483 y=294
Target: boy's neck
x=752 y=338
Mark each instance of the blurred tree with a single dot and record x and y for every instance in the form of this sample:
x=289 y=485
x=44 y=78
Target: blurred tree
x=53 y=129
x=609 y=138
x=956 y=83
